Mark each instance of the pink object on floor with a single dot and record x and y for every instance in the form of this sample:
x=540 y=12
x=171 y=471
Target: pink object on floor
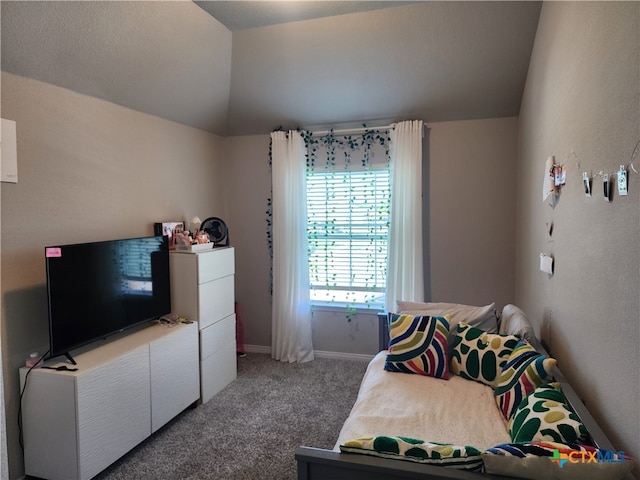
x=239 y=332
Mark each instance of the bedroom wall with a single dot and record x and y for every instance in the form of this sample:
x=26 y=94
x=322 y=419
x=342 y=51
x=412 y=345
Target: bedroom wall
x=88 y=170
x=472 y=190
x=582 y=96
x=471 y=243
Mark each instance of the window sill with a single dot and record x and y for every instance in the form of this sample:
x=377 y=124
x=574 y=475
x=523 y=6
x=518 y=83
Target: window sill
x=346 y=307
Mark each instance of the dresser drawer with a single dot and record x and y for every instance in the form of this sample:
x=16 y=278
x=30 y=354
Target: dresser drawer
x=217 y=371
x=218 y=336
x=216 y=263
x=216 y=300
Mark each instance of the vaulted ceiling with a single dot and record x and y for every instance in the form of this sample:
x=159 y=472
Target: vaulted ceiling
x=247 y=67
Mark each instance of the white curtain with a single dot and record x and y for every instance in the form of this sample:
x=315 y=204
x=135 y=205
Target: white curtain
x=291 y=310
x=405 y=277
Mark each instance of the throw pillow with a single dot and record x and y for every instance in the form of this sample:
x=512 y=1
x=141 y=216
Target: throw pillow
x=555 y=461
x=478 y=355
x=403 y=448
x=544 y=415
x=525 y=370
x=418 y=344
x=514 y=322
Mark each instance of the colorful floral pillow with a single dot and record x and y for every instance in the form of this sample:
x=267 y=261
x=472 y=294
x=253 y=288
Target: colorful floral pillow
x=525 y=370
x=403 y=448
x=418 y=344
x=478 y=355
x=555 y=461
x=544 y=415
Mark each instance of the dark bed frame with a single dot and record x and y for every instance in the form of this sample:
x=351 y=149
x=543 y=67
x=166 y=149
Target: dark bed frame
x=322 y=464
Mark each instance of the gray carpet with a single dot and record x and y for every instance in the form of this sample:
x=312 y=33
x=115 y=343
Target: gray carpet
x=251 y=429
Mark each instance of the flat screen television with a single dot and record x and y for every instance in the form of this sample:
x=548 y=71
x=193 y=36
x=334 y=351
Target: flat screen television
x=98 y=289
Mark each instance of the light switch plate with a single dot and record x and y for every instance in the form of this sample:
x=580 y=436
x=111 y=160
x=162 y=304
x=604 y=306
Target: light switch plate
x=8 y=152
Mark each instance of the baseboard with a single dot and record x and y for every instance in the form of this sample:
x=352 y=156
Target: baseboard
x=361 y=357
x=257 y=349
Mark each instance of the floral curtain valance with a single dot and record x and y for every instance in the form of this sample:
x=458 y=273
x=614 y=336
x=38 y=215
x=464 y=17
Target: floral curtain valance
x=333 y=151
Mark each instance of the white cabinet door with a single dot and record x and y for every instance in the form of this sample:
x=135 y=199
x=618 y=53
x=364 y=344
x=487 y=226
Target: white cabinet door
x=114 y=412
x=49 y=424
x=175 y=382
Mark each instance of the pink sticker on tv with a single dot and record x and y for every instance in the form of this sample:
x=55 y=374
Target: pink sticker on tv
x=52 y=252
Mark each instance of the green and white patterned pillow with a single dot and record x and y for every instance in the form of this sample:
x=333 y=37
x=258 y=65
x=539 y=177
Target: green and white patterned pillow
x=544 y=415
x=413 y=450
x=525 y=370
x=478 y=355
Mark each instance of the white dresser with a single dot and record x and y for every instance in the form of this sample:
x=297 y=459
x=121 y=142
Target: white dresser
x=202 y=289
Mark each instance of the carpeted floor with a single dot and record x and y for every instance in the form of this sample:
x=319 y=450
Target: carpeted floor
x=251 y=429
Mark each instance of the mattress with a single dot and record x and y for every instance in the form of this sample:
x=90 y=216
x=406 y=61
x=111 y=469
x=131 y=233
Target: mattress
x=456 y=411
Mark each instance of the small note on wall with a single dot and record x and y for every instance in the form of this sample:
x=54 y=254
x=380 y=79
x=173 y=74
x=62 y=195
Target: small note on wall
x=8 y=152
x=546 y=264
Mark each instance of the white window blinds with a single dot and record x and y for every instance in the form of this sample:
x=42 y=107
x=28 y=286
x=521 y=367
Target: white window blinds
x=348 y=225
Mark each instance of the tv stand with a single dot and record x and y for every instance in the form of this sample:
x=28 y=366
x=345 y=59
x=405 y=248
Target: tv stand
x=70 y=358
x=77 y=423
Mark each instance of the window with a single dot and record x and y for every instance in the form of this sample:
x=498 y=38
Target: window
x=348 y=227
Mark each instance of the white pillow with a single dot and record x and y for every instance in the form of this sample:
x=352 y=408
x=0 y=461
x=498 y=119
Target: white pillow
x=483 y=318
x=514 y=322
x=534 y=461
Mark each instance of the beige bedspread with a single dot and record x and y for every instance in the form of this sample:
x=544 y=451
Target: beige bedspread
x=457 y=411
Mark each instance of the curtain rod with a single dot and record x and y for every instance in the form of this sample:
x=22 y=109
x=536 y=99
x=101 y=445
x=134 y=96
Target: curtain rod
x=347 y=131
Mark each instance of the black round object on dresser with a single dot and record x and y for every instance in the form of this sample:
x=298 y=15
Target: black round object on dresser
x=217 y=230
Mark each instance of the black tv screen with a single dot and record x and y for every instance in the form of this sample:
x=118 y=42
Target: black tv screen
x=102 y=288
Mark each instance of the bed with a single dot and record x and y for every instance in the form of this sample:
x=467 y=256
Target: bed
x=392 y=404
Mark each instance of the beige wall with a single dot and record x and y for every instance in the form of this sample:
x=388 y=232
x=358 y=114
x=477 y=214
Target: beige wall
x=470 y=191
x=248 y=184
x=88 y=170
x=472 y=170
x=582 y=96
